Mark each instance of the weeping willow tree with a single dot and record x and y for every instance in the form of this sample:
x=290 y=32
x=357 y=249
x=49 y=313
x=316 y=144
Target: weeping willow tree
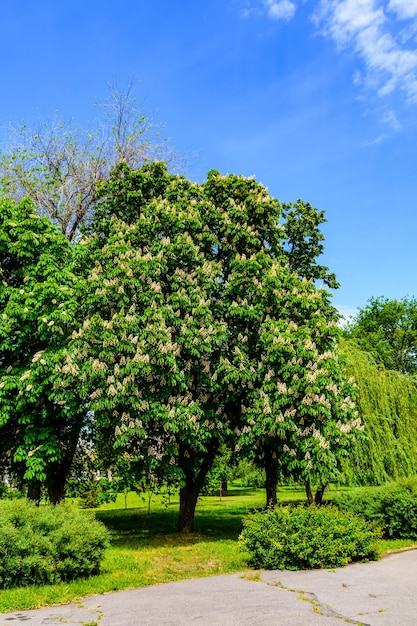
x=387 y=403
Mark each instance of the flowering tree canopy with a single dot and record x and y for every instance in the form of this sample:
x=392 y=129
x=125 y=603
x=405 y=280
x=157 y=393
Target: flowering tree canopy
x=198 y=332
x=295 y=406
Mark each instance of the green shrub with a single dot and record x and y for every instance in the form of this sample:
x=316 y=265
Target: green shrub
x=307 y=537
x=97 y=491
x=392 y=506
x=90 y=495
x=47 y=544
x=9 y=493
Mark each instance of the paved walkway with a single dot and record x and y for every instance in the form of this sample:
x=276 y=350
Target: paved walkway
x=372 y=594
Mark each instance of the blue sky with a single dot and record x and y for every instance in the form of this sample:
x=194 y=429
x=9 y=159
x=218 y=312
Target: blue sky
x=317 y=98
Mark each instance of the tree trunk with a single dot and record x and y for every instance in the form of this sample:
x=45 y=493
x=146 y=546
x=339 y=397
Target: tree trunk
x=194 y=482
x=188 y=503
x=223 y=488
x=318 y=499
x=57 y=475
x=56 y=488
x=271 y=484
x=309 y=493
x=34 y=493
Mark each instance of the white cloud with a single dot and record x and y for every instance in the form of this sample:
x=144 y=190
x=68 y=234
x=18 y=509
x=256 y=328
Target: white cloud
x=391 y=119
x=403 y=8
x=274 y=9
x=389 y=59
x=381 y=33
x=377 y=140
x=346 y=19
x=250 y=11
x=281 y=10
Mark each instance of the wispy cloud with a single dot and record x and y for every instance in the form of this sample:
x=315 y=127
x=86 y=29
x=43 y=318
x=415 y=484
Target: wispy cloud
x=391 y=120
x=371 y=29
x=403 y=8
x=381 y=35
x=274 y=9
x=281 y=10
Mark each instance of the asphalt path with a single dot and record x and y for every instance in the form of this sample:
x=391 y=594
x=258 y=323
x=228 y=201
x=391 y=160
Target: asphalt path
x=372 y=594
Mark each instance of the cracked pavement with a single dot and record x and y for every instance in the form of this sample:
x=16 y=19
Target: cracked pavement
x=372 y=594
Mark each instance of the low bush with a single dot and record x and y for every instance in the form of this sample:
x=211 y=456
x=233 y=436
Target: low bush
x=9 y=493
x=95 y=492
x=392 y=506
x=90 y=495
x=47 y=544
x=307 y=537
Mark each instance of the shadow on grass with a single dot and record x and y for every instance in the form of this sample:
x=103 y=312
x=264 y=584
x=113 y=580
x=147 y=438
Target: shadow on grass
x=216 y=519
x=135 y=527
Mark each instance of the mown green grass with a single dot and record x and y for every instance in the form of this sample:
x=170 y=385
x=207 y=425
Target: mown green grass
x=147 y=549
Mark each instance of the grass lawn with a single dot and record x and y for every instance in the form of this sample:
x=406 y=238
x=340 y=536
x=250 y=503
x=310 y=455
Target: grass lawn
x=146 y=549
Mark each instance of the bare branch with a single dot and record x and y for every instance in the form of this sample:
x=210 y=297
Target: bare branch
x=58 y=165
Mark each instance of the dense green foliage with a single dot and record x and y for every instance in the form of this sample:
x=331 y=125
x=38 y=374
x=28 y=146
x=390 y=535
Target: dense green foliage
x=392 y=506
x=307 y=537
x=387 y=403
x=39 y=426
x=177 y=326
x=94 y=492
x=48 y=544
x=387 y=329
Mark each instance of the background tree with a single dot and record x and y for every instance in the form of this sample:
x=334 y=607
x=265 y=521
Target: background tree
x=297 y=411
x=387 y=403
x=58 y=165
x=39 y=427
x=387 y=329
